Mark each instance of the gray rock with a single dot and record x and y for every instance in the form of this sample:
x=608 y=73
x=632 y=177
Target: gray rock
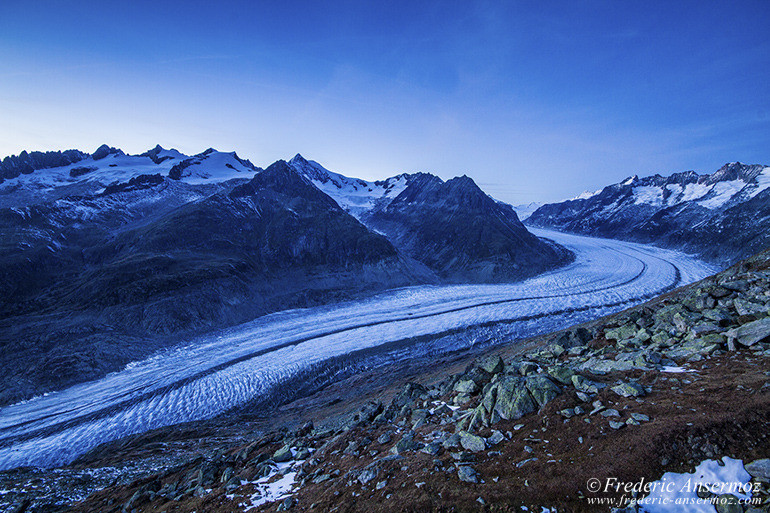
x=287 y=504
x=433 y=448
x=468 y=474
x=621 y=333
x=513 y=399
x=616 y=425
x=471 y=442
x=385 y=438
x=610 y=412
x=282 y=455
x=495 y=438
x=727 y=503
x=585 y=385
x=543 y=390
x=629 y=389
x=752 y=333
x=466 y=386
x=367 y=475
x=527 y=368
x=640 y=417
x=759 y=469
x=492 y=364
x=747 y=307
x=452 y=441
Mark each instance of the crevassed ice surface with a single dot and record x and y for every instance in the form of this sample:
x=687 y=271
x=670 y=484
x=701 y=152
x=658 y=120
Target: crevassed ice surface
x=215 y=373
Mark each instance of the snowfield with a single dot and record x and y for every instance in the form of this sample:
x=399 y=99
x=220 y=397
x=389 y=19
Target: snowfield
x=212 y=374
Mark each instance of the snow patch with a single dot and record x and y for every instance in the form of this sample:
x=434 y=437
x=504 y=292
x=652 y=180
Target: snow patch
x=648 y=195
x=721 y=193
x=354 y=195
x=676 y=493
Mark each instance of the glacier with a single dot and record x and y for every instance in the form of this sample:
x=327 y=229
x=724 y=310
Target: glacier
x=209 y=375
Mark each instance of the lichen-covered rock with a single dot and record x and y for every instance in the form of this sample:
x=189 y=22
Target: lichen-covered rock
x=282 y=455
x=542 y=389
x=629 y=389
x=471 y=442
x=751 y=333
x=466 y=386
x=468 y=474
x=561 y=373
x=585 y=385
x=513 y=399
x=492 y=364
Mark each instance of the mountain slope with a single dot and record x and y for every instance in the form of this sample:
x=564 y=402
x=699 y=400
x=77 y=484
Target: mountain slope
x=459 y=232
x=165 y=257
x=723 y=216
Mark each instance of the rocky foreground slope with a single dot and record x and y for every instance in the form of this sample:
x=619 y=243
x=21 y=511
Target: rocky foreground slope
x=658 y=388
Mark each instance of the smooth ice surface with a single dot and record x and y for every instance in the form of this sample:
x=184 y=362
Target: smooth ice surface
x=214 y=373
x=676 y=493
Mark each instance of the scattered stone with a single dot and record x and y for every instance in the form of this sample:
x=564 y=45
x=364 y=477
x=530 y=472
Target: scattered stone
x=472 y=442
x=585 y=385
x=468 y=474
x=629 y=389
x=495 y=438
x=367 y=475
x=616 y=425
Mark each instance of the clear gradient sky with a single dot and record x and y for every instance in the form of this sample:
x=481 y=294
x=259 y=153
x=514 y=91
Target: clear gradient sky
x=537 y=101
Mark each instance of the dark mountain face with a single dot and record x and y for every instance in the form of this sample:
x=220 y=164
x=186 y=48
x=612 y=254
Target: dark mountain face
x=460 y=233
x=723 y=216
x=26 y=163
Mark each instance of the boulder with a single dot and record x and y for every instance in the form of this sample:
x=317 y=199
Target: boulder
x=513 y=399
x=542 y=389
x=492 y=364
x=282 y=455
x=751 y=333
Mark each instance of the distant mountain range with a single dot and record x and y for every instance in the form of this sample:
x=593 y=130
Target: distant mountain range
x=723 y=216
x=106 y=257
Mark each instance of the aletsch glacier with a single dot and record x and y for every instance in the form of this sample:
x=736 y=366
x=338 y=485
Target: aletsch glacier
x=216 y=373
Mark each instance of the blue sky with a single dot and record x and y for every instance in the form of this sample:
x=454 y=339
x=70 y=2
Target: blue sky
x=536 y=101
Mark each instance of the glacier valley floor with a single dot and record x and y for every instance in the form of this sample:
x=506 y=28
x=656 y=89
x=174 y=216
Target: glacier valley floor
x=205 y=377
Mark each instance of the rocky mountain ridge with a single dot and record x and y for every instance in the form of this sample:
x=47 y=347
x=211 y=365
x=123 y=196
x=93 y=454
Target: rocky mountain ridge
x=723 y=216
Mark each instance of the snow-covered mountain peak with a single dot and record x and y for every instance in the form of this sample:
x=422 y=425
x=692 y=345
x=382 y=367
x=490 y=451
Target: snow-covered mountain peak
x=355 y=195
